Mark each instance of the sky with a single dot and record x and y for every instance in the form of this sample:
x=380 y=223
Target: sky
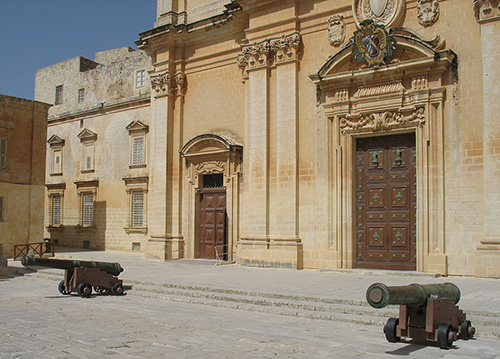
x=39 y=33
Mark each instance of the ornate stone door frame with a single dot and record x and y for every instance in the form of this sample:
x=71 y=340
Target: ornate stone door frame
x=404 y=96
x=209 y=154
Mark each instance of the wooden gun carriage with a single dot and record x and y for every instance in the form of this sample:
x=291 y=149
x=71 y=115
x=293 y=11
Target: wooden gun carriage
x=82 y=276
x=426 y=312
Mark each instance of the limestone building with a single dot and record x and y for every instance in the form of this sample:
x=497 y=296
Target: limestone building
x=299 y=134
x=97 y=140
x=22 y=171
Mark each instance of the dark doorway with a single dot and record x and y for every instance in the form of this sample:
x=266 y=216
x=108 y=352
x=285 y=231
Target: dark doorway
x=386 y=202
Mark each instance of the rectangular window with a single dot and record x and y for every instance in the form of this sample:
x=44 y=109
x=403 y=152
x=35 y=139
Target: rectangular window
x=59 y=95
x=138 y=151
x=81 y=95
x=137 y=209
x=56 y=209
x=2 y=209
x=3 y=152
x=140 y=77
x=57 y=161
x=88 y=209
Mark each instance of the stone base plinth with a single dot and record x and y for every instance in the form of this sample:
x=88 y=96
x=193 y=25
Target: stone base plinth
x=270 y=252
x=4 y=270
x=165 y=248
x=487 y=259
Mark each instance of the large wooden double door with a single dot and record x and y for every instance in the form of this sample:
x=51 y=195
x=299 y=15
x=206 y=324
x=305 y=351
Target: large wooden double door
x=212 y=222
x=386 y=202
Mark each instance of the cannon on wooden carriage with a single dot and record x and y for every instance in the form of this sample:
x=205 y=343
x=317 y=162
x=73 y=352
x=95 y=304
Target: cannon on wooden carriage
x=82 y=276
x=426 y=312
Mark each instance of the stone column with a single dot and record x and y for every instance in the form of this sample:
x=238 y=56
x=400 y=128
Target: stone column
x=488 y=16
x=284 y=202
x=158 y=209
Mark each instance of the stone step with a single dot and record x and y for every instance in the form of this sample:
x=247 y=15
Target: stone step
x=337 y=309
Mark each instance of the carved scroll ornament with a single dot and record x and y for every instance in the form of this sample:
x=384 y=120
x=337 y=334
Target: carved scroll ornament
x=379 y=121
x=168 y=83
x=336 y=30
x=263 y=53
x=427 y=12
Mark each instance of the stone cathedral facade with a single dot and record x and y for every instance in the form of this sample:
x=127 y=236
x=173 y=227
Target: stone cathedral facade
x=295 y=134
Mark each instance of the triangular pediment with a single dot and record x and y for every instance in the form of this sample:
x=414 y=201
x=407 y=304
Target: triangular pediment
x=55 y=140
x=137 y=126
x=410 y=51
x=87 y=135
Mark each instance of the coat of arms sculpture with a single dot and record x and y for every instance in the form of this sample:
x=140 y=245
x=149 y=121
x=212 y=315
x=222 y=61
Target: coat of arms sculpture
x=372 y=43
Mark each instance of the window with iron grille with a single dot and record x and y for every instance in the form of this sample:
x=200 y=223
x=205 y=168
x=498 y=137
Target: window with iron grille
x=59 y=95
x=56 y=209
x=2 y=209
x=140 y=77
x=88 y=209
x=137 y=209
x=138 y=151
x=3 y=152
x=81 y=95
x=213 y=181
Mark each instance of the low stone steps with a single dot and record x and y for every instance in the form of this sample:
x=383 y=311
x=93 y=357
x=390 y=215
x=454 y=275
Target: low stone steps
x=336 y=309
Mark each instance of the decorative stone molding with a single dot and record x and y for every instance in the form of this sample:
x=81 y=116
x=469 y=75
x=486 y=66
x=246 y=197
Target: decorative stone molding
x=419 y=82
x=427 y=12
x=167 y=83
x=486 y=10
x=382 y=121
x=286 y=47
x=87 y=136
x=342 y=94
x=55 y=141
x=336 y=30
x=384 y=12
x=379 y=89
x=264 y=53
x=210 y=167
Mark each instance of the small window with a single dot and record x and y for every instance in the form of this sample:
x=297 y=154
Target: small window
x=213 y=181
x=138 y=150
x=81 y=95
x=137 y=208
x=59 y=95
x=56 y=209
x=140 y=77
x=87 y=209
x=3 y=152
x=2 y=209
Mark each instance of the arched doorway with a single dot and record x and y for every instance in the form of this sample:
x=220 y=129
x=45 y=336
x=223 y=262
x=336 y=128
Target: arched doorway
x=213 y=165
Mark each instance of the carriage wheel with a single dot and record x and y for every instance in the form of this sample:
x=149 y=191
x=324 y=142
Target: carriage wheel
x=390 y=330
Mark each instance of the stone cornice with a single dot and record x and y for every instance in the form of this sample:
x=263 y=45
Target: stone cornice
x=102 y=107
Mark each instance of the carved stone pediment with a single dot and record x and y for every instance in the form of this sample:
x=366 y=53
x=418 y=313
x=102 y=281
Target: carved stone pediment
x=382 y=121
x=87 y=135
x=55 y=141
x=137 y=126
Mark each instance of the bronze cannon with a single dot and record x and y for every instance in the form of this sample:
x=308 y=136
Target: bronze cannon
x=82 y=276
x=426 y=312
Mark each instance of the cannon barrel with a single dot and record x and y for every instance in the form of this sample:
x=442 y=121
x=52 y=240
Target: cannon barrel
x=379 y=295
x=69 y=264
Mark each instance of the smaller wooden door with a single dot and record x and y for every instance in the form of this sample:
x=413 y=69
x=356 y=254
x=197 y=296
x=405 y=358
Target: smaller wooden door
x=212 y=222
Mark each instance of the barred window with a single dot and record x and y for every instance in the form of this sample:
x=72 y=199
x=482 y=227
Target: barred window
x=137 y=209
x=88 y=209
x=59 y=95
x=56 y=209
x=3 y=152
x=138 y=151
x=2 y=209
x=140 y=77
x=81 y=95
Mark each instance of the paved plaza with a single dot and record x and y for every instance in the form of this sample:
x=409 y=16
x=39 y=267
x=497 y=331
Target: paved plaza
x=37 y=322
